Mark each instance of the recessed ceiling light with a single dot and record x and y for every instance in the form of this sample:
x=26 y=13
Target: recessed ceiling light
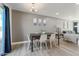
x=32 y=7
x=57 y=13
x=36 y=10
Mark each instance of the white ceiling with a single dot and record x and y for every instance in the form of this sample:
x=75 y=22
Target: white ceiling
x=67 y=11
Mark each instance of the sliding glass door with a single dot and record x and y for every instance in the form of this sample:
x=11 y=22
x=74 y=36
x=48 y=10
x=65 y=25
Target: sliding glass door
x=1 y=32
x=0 y=28
x=5 y=40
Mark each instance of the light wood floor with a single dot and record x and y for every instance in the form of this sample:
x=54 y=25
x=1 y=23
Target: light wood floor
x=65 y=49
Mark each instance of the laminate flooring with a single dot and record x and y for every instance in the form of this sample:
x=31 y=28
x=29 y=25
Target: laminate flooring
x=65 y=49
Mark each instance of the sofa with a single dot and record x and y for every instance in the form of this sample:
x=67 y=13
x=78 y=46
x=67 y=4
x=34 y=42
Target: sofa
x=71 y=36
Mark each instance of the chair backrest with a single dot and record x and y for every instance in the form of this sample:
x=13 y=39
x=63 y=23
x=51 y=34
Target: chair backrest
x=43 y=37
x=52 y=37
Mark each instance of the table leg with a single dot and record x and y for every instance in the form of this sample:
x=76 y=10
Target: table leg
x=58 y=42
x=77 y=41
x=31 y=44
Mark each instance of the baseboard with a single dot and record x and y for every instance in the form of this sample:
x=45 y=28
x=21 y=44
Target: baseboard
x=21 y=42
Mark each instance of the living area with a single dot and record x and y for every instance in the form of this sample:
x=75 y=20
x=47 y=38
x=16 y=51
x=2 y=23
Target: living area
x=44 y=29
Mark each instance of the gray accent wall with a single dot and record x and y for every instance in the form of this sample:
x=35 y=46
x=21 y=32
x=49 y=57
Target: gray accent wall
x=22 y=23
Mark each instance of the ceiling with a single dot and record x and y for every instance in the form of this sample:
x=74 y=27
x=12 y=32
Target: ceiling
x=67 y=11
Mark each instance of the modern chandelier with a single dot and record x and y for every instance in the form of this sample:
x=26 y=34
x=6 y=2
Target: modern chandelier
x=33 y=9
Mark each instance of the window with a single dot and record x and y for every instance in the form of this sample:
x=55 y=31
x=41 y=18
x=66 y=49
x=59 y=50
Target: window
x=76 y=27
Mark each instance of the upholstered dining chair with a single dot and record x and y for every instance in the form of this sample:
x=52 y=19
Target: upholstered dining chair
x=43 y=39
x=52 y=40
x=29 y=41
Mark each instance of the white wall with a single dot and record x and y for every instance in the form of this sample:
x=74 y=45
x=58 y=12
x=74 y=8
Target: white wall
x=22 y=23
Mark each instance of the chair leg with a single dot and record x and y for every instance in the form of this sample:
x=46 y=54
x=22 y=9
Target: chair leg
x=36 y=44
x=28 y=46
x=53 y=43
x=50 y=44
x=46 y=45
x=40 y=45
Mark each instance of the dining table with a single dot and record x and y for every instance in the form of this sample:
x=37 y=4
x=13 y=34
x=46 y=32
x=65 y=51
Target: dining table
x=34 y=36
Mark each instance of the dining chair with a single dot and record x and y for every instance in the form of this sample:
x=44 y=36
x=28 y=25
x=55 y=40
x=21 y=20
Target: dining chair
x=52 y=40
x=43 y=39
x=29 y=41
